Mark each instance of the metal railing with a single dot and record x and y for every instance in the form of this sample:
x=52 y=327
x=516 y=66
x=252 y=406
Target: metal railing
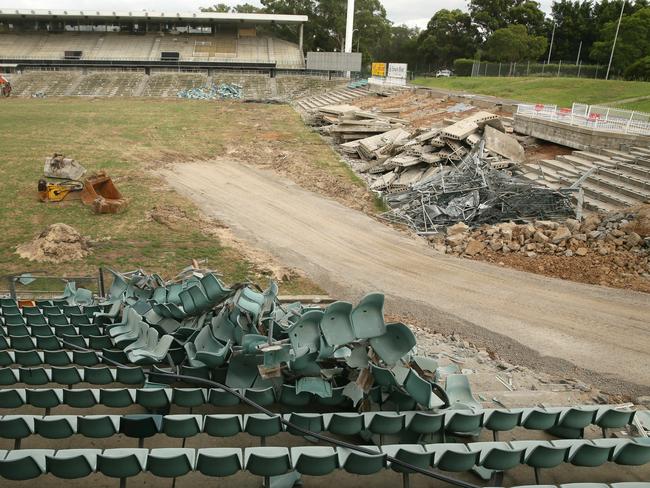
x=595 y=117
x=36 y=285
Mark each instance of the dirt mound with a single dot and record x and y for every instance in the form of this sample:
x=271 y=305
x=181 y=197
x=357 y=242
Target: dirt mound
x=58 y=243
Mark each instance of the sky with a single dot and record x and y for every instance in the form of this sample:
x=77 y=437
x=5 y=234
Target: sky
x=410 y=12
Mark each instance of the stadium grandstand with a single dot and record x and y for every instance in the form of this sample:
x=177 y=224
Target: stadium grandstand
x=139 y=39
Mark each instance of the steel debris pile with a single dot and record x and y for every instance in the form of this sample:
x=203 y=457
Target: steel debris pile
x=294 y=353
x=212 y=92
x=474 y=192
x=392 y=158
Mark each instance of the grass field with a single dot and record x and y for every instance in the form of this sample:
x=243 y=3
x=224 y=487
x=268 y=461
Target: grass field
x=125 y=137
x=560 y=91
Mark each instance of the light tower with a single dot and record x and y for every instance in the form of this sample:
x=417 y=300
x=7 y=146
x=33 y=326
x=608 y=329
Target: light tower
x=349 y=23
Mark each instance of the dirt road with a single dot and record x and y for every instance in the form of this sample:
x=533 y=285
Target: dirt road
x=598 y=334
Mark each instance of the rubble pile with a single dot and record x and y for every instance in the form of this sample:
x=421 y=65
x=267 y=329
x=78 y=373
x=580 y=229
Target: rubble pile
x=58 y=243
x=605 y=234
x=212 y=92
x=474 y=192
x=392 y=158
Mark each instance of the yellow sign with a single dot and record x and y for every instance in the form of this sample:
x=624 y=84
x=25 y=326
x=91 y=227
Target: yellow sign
x=378 y=69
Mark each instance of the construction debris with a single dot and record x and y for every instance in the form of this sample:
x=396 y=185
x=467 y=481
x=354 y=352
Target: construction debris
x=58 y=166
x=58 y=243
x=100 y=193
x=212 y=92
x=474 y=192
x=55 y=192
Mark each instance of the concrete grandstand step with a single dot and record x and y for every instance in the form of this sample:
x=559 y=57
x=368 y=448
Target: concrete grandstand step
x=633 y=168
x=628 y=179
x=592 y=156
x=642 y=150
x=620 y=155
x=579 y=162
x=619 y=186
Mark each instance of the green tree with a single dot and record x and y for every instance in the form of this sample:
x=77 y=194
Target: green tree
x=633 y=40
x=491 y=15
x=574 y=23
x=514 y=44
x=450 y=34
x=217 y=7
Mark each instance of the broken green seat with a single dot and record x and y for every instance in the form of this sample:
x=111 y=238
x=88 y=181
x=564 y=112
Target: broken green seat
x=336 y=325
x=421 y=391
x=72 y=463
x=207 y=349
x=152 y=355
x=214 y=289
x=459 y=392
x=368 y=317
x=305 y=333
x=394 y=344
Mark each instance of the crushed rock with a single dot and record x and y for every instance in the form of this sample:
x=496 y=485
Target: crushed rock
x=58 y=243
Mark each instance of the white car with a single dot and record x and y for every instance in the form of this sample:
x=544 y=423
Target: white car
x=443 y=73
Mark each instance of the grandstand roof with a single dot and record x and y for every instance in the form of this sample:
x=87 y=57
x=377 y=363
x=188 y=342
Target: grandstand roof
x=154 y=16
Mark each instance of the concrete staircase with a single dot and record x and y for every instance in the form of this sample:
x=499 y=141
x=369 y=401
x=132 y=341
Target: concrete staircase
x=620 y=179
x=333 y=97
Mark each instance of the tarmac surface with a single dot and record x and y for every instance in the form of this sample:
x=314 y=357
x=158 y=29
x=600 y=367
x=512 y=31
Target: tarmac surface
x=599 y=335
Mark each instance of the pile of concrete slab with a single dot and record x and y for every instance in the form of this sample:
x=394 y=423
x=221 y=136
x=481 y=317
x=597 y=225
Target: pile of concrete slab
x=393 y=158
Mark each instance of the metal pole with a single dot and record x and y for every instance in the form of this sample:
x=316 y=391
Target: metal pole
x=618 y=26
x=349 y=21
x=579 y=49
x=559 y=66
x=499 y=70
x=528 y=68
x=550 y=48
x=579 y=66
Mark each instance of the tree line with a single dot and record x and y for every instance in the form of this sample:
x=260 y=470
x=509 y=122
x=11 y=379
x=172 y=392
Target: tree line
x=503 y=31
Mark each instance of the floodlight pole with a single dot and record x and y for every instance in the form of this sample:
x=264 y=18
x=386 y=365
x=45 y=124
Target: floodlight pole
x=349 y=23
x=618 y=26
x=550 y=48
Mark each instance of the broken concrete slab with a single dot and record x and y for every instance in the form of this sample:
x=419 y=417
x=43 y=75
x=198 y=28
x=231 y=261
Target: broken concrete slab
x=58 y=166
x=503 y=144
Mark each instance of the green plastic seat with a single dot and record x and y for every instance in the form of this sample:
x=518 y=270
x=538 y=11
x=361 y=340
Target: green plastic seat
x=207 y=349
x=573 y=420
x=80 y=319
x=463 y=422
x=71 y=310
x=116 y=397
x=34 y=376
x=74 y=339
x=219 y=461
x=98 y=426
x=267 y=461
x=634 y=453
x=12 y=398
x=7 y=358
x=23 y=343
x=41 y=330
x=57 y=320
x=222 y=425
x=384 y=423
x=356 y=462
x=394 y=344
x=498 y=456
x=85 y=358
x=305 y=333
x=201 y=301
x=81 y=397
x=336 y=325
x=8 y=302
x=368 y=317
x=24 y=464
x=424 y=423
x=413 y=454
x=56 y=426
x=16 y=427
x=153 y=354
x=88 y=330
x=100 y=375
x=222 y=398
x=33 y=320
x=314 y=460
x=261 y=396
x=130 y=375
x=182 y=426
x=122 y=463
x=29 y=358
x=72 y=463
x=49 y=343
x=4 y=343
x=48 y=310
x=261 y=425
x=289 y=396
x=312 y=422
x=66 y=375
x=115 y=355
x=584 y=485
x=188 y=397
x=140 y=426
x=631 y=484
x=153 y=398
x=8 y=376
x=57 y=357
x=459 y=392
x=13 y=320
x=18 y=330
x=214 y=289
x=421 y=391
x=541 y=455
x=46 y=398
x=452 y=457
x=613 y=418
x=65 y=330
x=343 y=423
x=501 y=420
x=539 y=418
x=90 y=310
x=585 y=453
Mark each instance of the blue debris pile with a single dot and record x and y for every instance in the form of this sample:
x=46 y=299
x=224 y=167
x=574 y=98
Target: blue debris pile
x=223 y=91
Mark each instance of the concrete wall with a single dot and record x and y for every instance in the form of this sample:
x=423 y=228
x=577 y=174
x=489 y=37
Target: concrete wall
x=574 y=136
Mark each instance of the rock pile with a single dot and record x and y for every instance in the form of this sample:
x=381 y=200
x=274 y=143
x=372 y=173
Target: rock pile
x=604 y=234
x=58 y=243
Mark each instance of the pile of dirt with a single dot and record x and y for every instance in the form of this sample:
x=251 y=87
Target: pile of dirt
x=58 y=243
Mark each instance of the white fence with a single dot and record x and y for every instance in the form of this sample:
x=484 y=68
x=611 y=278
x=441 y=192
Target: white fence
x=592 y=116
